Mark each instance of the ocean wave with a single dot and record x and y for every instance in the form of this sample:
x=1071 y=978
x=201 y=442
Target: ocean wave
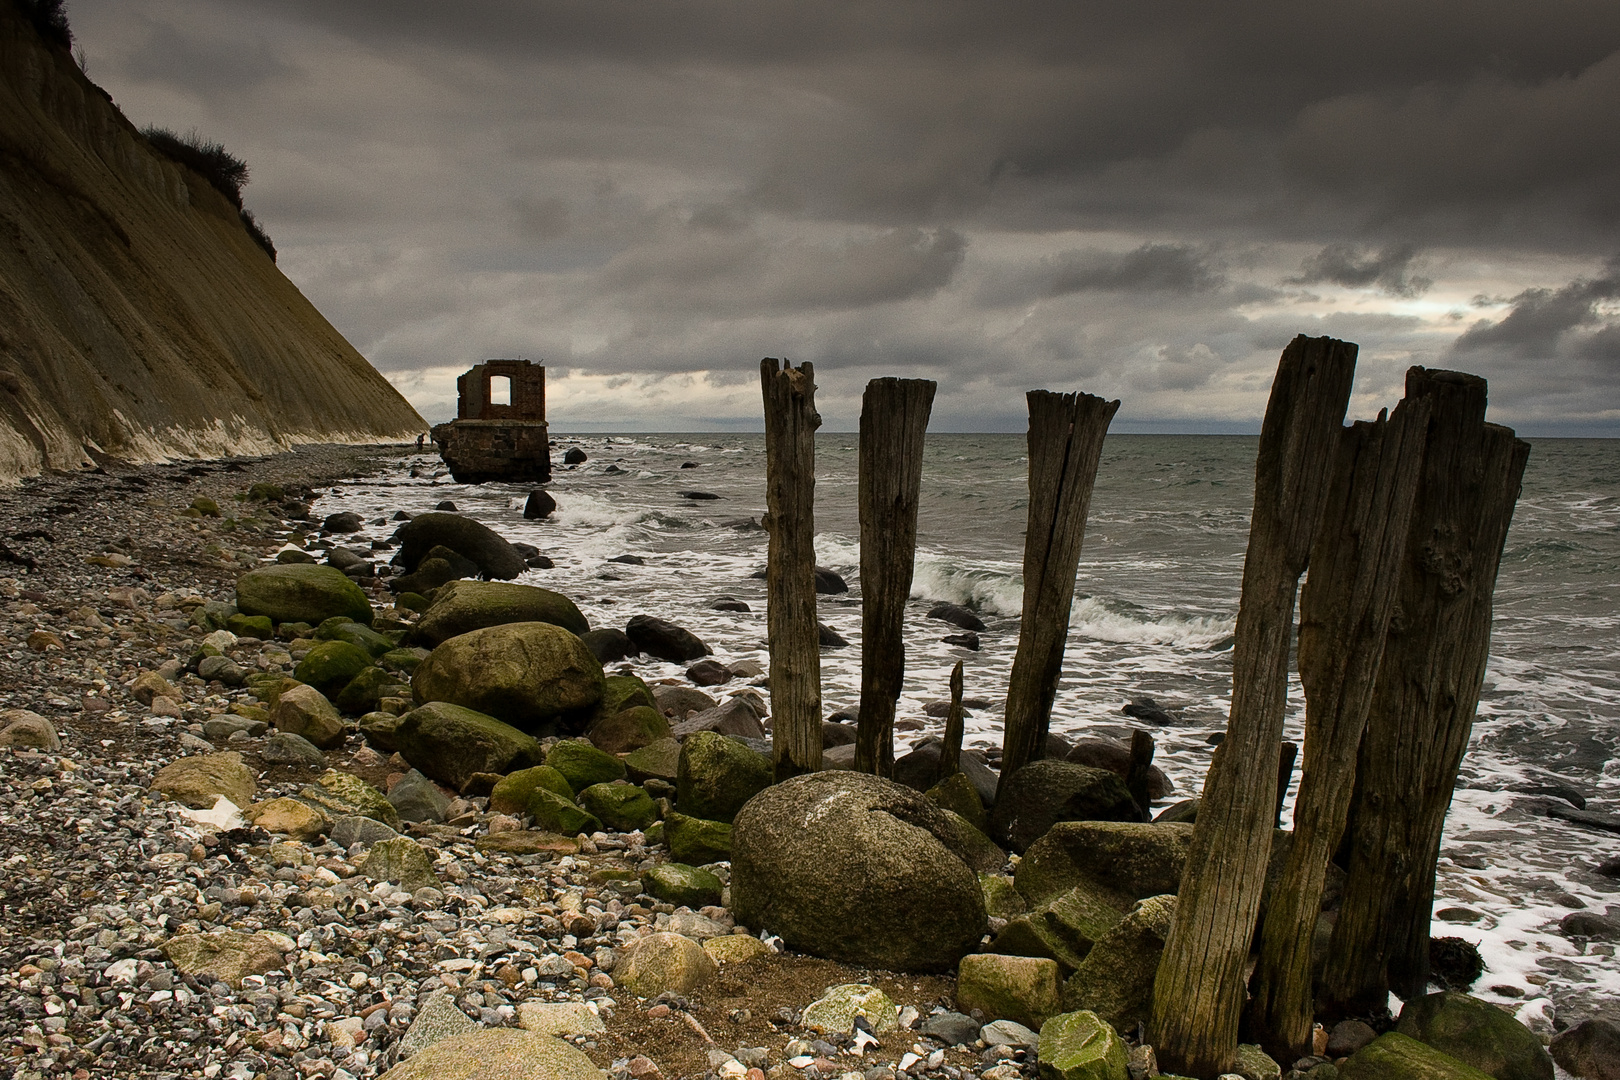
x=987 y=588
x=1105 y=620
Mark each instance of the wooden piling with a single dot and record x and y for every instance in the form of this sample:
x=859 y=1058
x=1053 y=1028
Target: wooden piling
x=1066 y=434
x=1288 y=753
x=894 y=418
x=1199 y=989
x=1138 y=772
x=1427 y=690
x=790 y=480
x=950 y=761
x=1344 y=612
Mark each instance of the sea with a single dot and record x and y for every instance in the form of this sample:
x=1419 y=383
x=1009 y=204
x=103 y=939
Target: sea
x=1155 y=603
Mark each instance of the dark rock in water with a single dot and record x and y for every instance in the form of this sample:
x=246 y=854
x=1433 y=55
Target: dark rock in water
x=665 y=640
x=612 y=470
x=574 y=456
x=1145 y=708
x=629 y=560
x=728 y=603
x=697 y=496
x=733 y=717
x=343 y=558
x=689 y=464
x=1557 y=789
x=833 y=734
x=528 y=551
x=1043 y=793
x=840 y=863
x=1590 y=1049
x=1476 y=1033
x=345 y=522
x=852 y=717
x=361 y=571
x=539 y=505
x=1589 y=924
x=1454 y=963
x=429 y=575
x=968 y=640
x=1185 y=811
x=472 y=540
x=461 y=567
x=1610 y=867
x=1215 y=738
x=829 y=638
x=1116 y=758
x=446 y=505
x=956 y=615
x=1592 y=818
x=829 y=583
x=919 y=769
x=677 y=701
x=709 y=673
x=744 y=525
x=538 y=562
x=1056 y=745
x=401 y=515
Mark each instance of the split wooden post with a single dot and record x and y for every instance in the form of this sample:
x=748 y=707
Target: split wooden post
x=1287 y=754
x=1139 y=772
x=1066 y=434
x=1198 y=993
x=1344 y=612
x=894 y=418
x=795 y=644
x=1428 y=688
x=950 y=761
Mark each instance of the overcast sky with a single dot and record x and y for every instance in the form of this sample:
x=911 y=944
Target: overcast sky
x=1139 y=200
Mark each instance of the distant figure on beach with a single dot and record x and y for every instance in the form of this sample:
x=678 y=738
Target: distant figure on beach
x=419 y=439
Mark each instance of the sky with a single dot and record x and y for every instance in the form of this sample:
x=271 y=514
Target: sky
x=1138 y=200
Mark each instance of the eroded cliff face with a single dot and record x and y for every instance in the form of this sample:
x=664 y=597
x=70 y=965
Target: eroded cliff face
x=138 y=320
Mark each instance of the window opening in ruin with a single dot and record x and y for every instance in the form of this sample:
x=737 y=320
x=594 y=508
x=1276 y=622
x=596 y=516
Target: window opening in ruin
x=500 y=390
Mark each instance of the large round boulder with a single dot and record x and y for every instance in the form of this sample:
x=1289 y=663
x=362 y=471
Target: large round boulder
x=1126 y=861
x=295 y=592
x=665 y=640
x=1043 y=793
x=470 y=539
x=716 y=775
x=858 y=869
x=451 y=743
x=535 y=676
x=1477 y=1033
x=463 y=606
x=496 y=1054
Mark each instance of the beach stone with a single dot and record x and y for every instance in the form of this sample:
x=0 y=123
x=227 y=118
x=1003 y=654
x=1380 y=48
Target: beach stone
x=1081 y=1046
x=357 y=634
x=628 y=730
x=227 y=955
x=1253 y=1063
x=22 y=727
x=535 y=676
x=665 y=640
x=285 y=748
x=1348 y=1036
x=957 y=615
x=402 y=860
x=676 y=701
x=430 y=574
x=539 y=505
x=528 y=842
x=304 y=711
x=582 y=764
x=736 y=716
x=418 y=799
x=364 y=692
x=557 y=814
x=516 y=789
x=1115 y=756
x=450 y=743
x=198 y=782
x=472 y=540
x=1589 y=1050
x=288 y=816
x=835 y=1011
x=301 y=593
x=439 y=1018
x=608 y=644
x=1129 y=860
x=682 y=885
x=697 y=840
x=341 y=794
x=715 y=776
x=1393 y=1056
x=957 y=794
x=249 y=626
x=1065 y=928
x=735 y=948
x=829 y=583
x=1115 y=980
x=149 y=685
x=620 y=807
x=1008 y=1033
x=659 y=760
x=1043 y=793
x=1001 y=898
x=329 y=665
x=621 y=692
x=560 y=1018
x=221 y=668
x=1477 y=1033
x=953 y=1028
x=463 y=606
x=920 y=767
x=352 y=829
x=1021 y=988
x=665 y=963
x=839 y=863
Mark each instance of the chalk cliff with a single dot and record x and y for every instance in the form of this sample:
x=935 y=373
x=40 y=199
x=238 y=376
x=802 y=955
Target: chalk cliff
x=138 y=319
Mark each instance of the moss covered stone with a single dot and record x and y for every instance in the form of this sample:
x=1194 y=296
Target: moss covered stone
x=535 y=676
x=715 y=775
x=516 y=789
x=557 y=814
x=450 y=743
x=697 y=841
x=343 y=629
x=628 y=730
x=682 y=885
x=1081 y=1046
x=329 y=665
x=621 y=807
x=583 y=764
x=626 y=692
x=463 y=606
x=656 y=761
x=301 y=593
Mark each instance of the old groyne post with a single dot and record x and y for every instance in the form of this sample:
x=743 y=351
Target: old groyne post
x=1344 y=612
x=790 y=483
x=1426 y=693
x=894 y=418
x=1066 y=434
x=1198 y=993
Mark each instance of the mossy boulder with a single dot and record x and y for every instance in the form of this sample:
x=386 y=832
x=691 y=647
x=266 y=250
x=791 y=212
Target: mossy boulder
x=378 y=728
x=450 y=743
x=1043 y=793
x=621 y=807
x=682 y=885
x=362 y=693
x=626 y=692
x=1023 y=989
x=556 y=814
x=535 y=676
x=658 y=760
x=716 y=775
x=301 y=593
x=363 y=636
x=1478 y=1034
x=1001 y=898
x=583 y=764
x=1081 y=1046
x=487 y=1053
x=403 y=660
x=629 y=729
x=1127 y=860
x=343 y=794
x=1115 y=980
x=472 y=540
x=1065 y=928
x=1393 y=1056
x=697 y=841
x=463 y=606
x=957 y=794
x=516 y=789
x=251 y=626
x=329 y=665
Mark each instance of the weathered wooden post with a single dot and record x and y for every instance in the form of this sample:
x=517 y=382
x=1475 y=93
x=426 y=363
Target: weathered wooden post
x=1198 y=993
x=1139 y=771
x=950 y=760
x=1287 y=753
x=894 y=418
x=1066 y=434
x=790 y=483
x=1344 y=612
x=1428 y=688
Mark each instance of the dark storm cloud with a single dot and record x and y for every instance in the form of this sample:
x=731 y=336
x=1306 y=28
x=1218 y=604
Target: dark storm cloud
x=1159 y=268
x=1351 y=266
x=1541 y=321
